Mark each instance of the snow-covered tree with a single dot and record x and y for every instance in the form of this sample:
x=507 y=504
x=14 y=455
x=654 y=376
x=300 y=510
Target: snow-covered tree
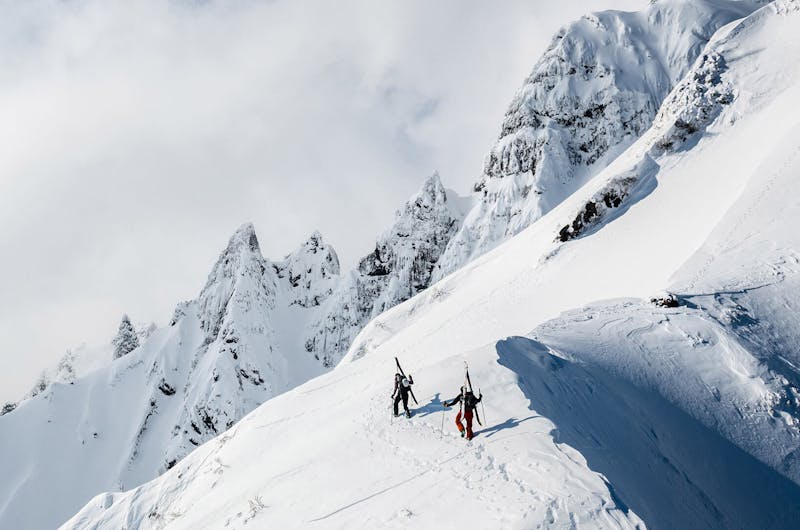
x=40 y=386
x=65 y=371
x=126 y=340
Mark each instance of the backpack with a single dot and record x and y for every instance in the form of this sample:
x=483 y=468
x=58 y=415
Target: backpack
x=405 y=383
x=470 y=400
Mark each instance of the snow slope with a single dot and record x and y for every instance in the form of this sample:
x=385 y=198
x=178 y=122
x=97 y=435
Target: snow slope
x=327 y=455
x=335 y=459
x=615 y=414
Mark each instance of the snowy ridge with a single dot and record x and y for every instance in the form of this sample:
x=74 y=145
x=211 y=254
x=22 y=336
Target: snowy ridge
x=597 y=88
x=603 y=409
x=743 y=400
x=403 y=459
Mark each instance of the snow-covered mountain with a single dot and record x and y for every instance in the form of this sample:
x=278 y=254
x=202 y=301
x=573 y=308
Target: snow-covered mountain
x=646 y=152
x=257 y=329
x=593 y=93
x=650 y=377
x=135 y=417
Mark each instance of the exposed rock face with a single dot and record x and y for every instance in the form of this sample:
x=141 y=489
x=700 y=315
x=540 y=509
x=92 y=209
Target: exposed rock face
x=398 y=268
x=310 y=273
x=242 y=276
x=694 y=103
x=597 y=88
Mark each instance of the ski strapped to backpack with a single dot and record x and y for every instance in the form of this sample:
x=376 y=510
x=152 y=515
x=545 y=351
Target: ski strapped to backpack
x=468 y=387
x=400 y=369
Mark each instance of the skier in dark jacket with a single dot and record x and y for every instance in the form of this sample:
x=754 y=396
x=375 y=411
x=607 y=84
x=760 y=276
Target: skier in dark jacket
x=402 y=386
x=468 y=403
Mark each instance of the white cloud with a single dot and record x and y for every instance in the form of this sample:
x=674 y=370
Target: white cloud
x=136 y=136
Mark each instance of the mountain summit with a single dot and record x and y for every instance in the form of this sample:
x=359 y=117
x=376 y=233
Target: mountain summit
x=596 y=90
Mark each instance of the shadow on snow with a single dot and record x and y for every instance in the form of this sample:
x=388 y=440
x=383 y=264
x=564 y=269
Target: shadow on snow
x=666 y=466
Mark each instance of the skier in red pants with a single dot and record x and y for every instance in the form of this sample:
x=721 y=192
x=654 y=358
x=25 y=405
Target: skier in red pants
x=468 y=402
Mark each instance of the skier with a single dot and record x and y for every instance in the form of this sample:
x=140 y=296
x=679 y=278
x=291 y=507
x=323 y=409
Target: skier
x=468 y=403
x=402 y=386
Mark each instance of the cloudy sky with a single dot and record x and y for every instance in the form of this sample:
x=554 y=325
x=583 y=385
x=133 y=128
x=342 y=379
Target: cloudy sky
x=136 y=136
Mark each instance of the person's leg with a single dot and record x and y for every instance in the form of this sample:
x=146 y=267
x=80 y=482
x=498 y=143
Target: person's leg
x=458 y=423
x=468 y=417
x=396 y=403
x=405 y=403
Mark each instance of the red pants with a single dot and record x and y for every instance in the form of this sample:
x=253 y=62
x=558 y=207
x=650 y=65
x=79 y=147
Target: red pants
x=468 y=417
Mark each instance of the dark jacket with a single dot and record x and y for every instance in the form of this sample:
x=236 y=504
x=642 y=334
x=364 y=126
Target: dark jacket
x=403 y=389
x=468 y=399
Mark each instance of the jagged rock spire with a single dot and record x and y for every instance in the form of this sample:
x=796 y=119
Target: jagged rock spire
x=398 y=268
x=240 y=267
x=310 y=272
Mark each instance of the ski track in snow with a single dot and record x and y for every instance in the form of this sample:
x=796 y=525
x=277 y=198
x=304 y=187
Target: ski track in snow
x=740 y=223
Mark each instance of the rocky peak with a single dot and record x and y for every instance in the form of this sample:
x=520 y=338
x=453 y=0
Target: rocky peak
x=421 y=230
x=398 y=268
x=236 y=368
x=240 y=270
x=310 y=272
x=428 y=202
x=595 y=91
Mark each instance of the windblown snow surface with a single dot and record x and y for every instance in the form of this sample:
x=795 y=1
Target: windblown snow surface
x=603 y=409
